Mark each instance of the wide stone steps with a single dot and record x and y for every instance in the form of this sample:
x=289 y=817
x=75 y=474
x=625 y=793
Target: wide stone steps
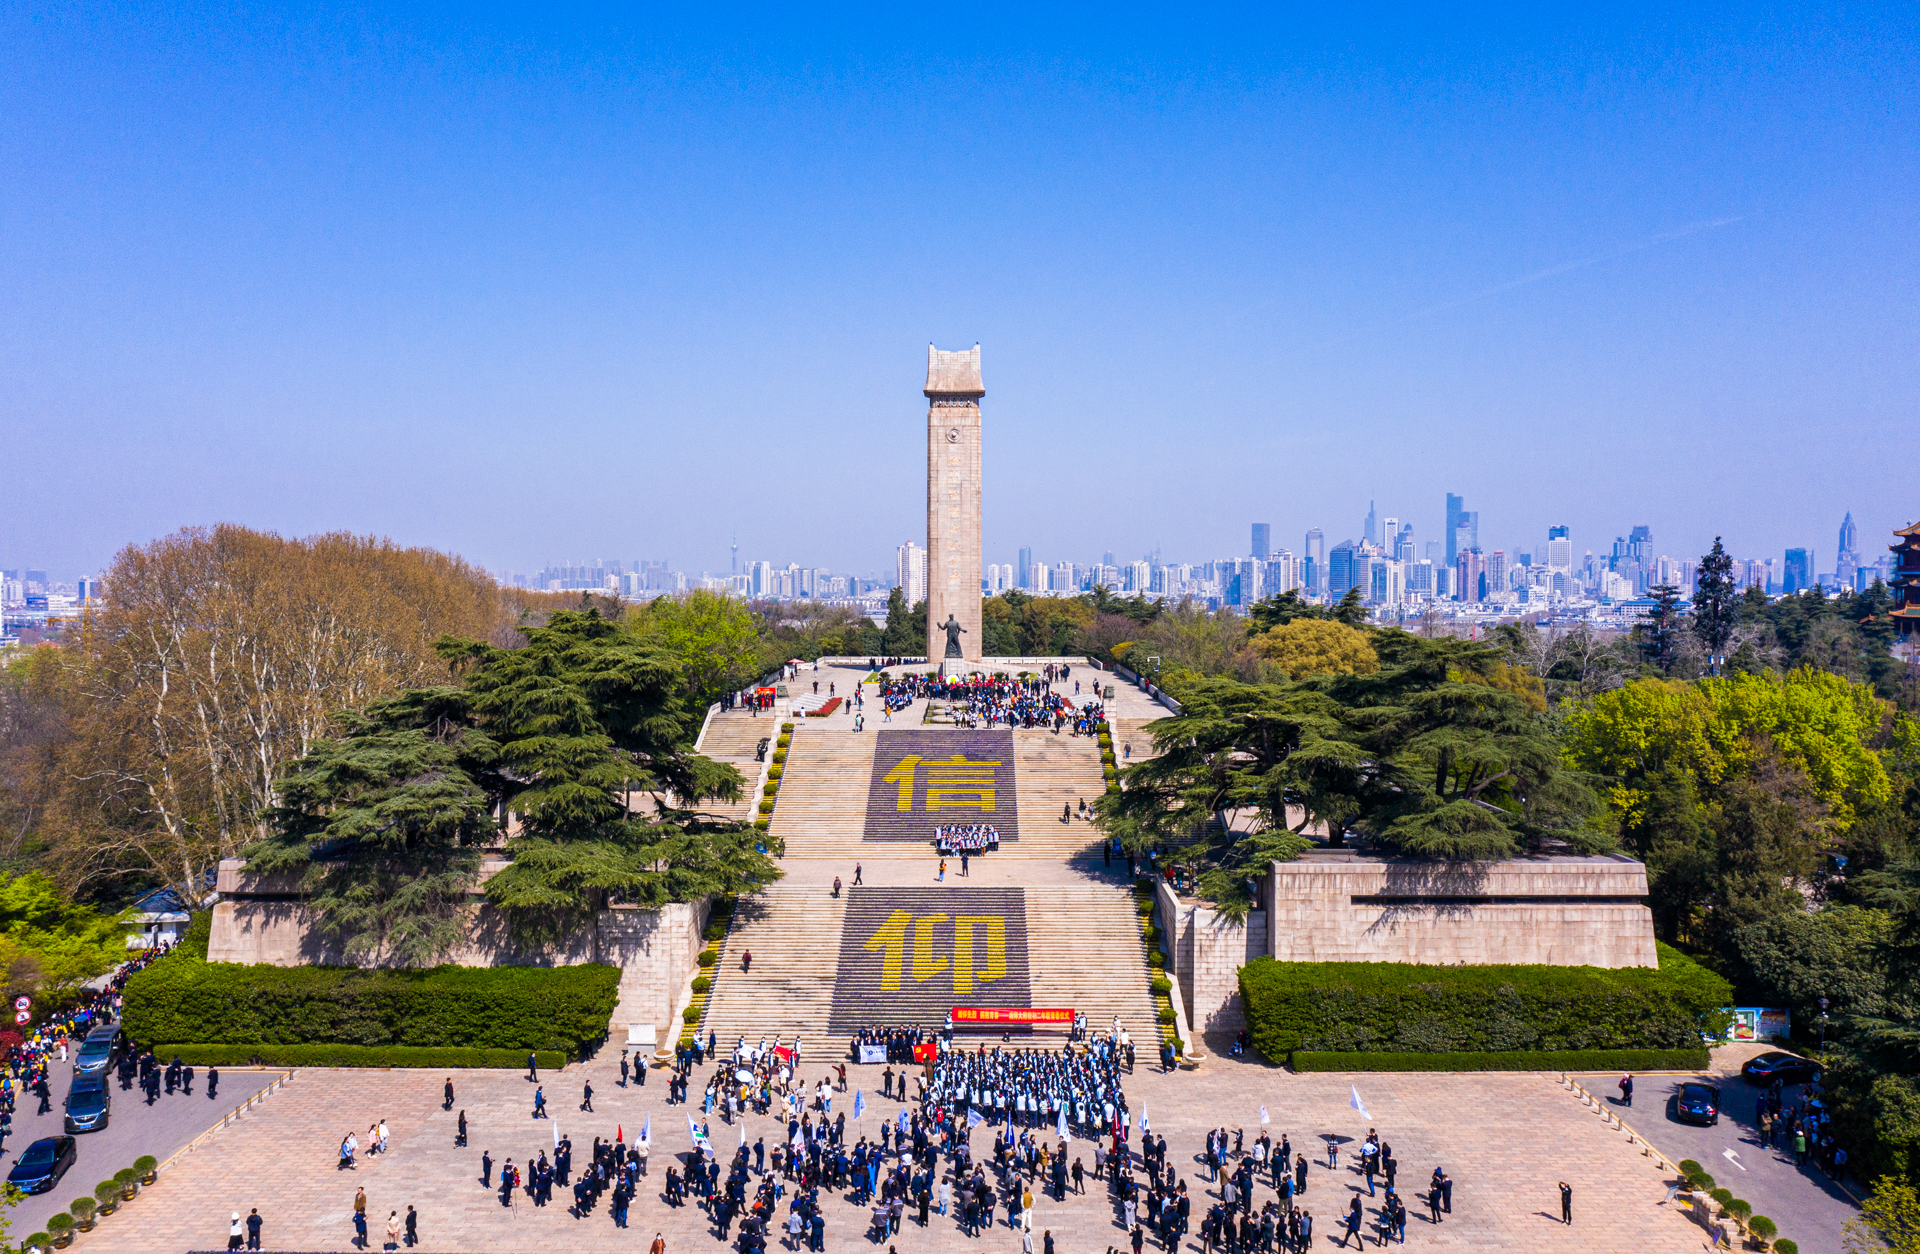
x=1083 y=951
x=822 y=809
x=732 y=737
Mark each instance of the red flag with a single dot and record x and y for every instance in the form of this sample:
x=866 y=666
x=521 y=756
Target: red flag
x=619 y=1133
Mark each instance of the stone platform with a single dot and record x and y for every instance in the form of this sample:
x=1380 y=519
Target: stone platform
x=1505 y=1139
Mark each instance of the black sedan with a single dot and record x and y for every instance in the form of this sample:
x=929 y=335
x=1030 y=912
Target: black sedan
x=1697 y=1103
x=89 y=1105
x=42 y=1164
x=1786 y=1068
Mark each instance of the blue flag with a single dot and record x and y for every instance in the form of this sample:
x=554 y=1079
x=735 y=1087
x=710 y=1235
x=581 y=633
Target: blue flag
x=973 y=1119
x=646 y=1130
x=903 y=1123
x=859 y=1103
x=1060 y=1124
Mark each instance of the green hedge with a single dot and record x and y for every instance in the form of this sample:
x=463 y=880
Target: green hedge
x=1508 y=1060
x=1342 y=1007
x=353 y=1056
x=515 y=1008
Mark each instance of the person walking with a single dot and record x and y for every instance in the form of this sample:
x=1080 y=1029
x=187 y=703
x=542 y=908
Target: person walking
x=856 y=875
x=586 y=1097
x=533 y=1070
x=486 y=1167
x=460 y=1133
x=213 y=1083
x=940 y=877
x=539 y=1103
x=1353 y=1224
x=447 y=1095
x=1566 y=1203
x=623 y=1068
x=640 y=1068
x=1626 y=1090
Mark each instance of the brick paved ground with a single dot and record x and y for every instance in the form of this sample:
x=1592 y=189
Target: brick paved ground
x=1505 y=1138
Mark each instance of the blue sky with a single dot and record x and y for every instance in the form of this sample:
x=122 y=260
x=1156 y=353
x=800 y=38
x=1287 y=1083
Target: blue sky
x=533 y=285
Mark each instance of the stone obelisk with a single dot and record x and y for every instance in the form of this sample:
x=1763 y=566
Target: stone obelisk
x=953 y=500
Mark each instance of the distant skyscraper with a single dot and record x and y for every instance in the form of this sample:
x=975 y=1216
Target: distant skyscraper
x=1559 y=549
x=910 y=572
x=1341 y=568
x=1463 y=528
x=1262 y=540
x=1314 y=576
x=1372 y=533
x=1798 y=576
x=1023 y=570
x=1847 y=562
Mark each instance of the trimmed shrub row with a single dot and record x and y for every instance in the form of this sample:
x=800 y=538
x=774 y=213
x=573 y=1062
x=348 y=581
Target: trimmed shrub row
x=1507 y=1060
x=1348 y=1007
x=355 y=1056
x=515 y=1008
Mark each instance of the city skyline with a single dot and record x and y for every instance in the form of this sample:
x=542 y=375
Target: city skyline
x=542 y=287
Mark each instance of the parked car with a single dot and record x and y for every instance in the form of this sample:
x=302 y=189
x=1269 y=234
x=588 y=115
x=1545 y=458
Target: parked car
x=88 y=1103
x=42 y=1164
x=1697 y=1103
x=1775 y=1065
x=99 y=1051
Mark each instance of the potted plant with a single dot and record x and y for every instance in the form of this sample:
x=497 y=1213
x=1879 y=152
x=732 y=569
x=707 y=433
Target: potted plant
x=83 y=1208
x=129 y=1181
x=1764 y=1229
x=39 y=1243
x=61 y=1226
x=107 y=1194
x=148 y=1167
x=1722 y=1198
x=1740 y=1209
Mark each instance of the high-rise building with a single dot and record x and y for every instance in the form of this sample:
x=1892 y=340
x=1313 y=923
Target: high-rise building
x=1559 y=549
x=760 y=579
x=1348 y=567
x=1847 y=562
x=1463 y=528
x=1470 y=576
x=1403 y=549
x=1798 y=576
x=1313 y=572
x=1371 y=533
x=910 y=572
x=1262 y=540
x=1497 y=572
x=1064 y=579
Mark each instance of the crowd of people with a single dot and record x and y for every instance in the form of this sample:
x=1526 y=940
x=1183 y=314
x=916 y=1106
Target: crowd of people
x=998 y=702
x=1030 y=1088
x=971 y=838
x=896 y=1044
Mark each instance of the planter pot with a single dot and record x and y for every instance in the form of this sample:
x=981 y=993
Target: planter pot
x=85 y=1225
x=149 y=1178
x=126 y=1194
x=107 y=1208
x=61 y=1240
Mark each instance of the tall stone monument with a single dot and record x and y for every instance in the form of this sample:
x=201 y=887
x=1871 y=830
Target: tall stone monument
x=953 y=504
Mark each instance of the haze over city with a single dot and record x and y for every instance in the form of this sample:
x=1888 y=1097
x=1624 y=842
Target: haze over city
x=542 y=290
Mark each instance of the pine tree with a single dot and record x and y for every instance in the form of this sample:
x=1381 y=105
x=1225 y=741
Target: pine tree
x=1714 y=611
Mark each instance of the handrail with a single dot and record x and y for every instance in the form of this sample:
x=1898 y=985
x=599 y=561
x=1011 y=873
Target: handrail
x=232 y=1115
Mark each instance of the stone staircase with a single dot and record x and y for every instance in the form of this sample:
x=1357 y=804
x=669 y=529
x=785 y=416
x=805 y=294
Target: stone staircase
x=1082 y=950
x=1132 y=731
x=732 y=737
x=822 y=811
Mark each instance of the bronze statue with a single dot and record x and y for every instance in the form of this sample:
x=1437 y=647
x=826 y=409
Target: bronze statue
x=953 y=629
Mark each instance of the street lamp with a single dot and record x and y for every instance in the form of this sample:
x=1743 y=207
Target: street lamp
x=1822 y=1003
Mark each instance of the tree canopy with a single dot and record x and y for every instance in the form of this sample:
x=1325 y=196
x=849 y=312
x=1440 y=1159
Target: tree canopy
x=583 y=735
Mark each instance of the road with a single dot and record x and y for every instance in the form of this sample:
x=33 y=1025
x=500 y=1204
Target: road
x=1808 y=1207
x=134 y=1129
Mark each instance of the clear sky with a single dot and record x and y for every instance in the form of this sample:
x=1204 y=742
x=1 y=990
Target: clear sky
x=529 y=284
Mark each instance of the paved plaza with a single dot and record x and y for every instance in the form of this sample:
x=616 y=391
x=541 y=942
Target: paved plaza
x=1505 y=1138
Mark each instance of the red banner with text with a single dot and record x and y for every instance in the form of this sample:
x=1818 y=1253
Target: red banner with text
x=1010 y=1016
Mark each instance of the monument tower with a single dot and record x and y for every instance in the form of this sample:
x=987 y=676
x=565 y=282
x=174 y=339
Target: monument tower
x=953 y=501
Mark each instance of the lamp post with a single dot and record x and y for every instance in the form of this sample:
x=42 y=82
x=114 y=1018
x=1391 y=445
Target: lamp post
x=1822 y=1002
